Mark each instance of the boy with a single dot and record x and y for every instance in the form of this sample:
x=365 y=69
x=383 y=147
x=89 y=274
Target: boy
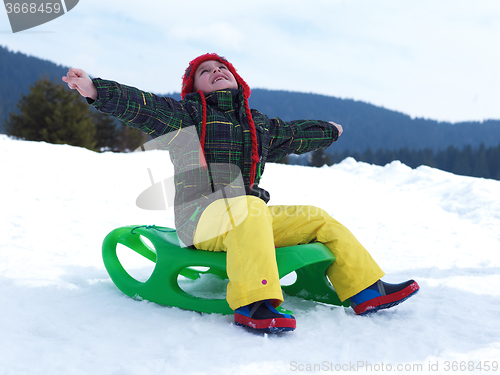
x=219 y=205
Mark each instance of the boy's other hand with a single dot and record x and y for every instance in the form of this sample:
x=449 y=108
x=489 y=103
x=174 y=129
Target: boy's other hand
x=77 y=79
x=339 y=127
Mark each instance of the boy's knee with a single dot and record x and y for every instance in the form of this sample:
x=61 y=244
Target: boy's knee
x=314 y=213
x=256 y=206
x=245 y=207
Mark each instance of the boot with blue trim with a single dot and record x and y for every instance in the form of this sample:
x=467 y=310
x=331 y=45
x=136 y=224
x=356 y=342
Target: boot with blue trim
x=382 y=295
x=263 y=317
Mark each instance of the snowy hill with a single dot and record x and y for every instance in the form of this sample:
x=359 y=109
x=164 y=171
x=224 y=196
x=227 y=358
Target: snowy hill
x=61 y=314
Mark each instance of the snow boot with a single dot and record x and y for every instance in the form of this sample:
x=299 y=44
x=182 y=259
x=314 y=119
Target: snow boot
x=263 y=317
x=382 y=296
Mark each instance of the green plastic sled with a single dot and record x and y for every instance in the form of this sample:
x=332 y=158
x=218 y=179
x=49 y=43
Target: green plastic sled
x=308 y=261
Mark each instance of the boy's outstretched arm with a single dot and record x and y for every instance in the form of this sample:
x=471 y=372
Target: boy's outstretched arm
x=150 y=113
x=79 y=80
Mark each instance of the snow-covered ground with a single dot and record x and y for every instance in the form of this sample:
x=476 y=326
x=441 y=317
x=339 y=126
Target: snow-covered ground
x=61 y=314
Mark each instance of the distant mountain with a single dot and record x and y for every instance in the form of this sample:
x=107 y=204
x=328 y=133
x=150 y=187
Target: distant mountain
x=17 y=73
x=366 y=126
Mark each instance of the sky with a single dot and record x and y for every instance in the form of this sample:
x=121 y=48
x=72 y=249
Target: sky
x=432 y=59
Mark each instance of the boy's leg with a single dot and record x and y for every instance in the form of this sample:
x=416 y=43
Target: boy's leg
x=354 y=268
x=242 y=227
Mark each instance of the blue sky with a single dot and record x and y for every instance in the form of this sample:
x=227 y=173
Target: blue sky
x=436 y=59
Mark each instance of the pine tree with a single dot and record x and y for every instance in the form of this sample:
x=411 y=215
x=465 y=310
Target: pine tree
x=481 y=167
x=113 y=135
x=319 y=158
x=129 y=139
x=463 y=163
x=493 y=155
x=52 y=113
x=368 y=156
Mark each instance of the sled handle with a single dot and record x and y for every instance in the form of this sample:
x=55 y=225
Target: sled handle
x=121 y=278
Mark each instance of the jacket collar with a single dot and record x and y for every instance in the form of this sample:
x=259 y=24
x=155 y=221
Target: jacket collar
x=224 y=100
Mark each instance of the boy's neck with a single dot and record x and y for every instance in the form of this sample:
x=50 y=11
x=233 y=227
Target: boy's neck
x=232 y=91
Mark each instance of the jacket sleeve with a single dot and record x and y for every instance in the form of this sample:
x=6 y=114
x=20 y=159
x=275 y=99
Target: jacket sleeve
x=139 y=109
x=298 y=137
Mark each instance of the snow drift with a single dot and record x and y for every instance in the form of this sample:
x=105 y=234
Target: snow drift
x=61 y=314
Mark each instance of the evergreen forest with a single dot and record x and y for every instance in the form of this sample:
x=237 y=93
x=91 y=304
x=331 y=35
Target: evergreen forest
x=371 y=134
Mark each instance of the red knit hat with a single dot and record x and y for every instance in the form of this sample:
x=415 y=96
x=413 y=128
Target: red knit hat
x=188 y=87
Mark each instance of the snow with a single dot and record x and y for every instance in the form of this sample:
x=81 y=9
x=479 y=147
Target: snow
x=61 y=314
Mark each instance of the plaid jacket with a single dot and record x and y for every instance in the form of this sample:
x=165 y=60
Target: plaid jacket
x=228 y=147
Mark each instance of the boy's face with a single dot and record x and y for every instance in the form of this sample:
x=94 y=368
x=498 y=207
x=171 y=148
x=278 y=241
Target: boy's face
x=213 y=75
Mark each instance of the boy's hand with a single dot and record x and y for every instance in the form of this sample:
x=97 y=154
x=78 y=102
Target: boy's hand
x=339 y=127
x=79 y=80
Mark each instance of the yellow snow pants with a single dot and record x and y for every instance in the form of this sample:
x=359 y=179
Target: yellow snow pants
x=249 y=230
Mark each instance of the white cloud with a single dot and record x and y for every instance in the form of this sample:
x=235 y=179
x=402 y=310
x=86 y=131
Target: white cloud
x=215 y=35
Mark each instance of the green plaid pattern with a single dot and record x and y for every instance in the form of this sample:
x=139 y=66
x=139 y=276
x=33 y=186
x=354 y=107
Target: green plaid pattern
x=228 y=146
